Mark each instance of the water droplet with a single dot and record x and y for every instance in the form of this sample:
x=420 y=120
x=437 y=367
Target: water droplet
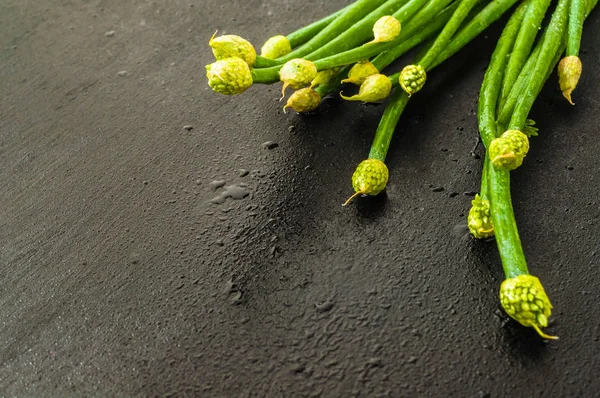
x=324 y=306
x=217 y=184
x=270 y=145
x=235 y=192
x=110 y=33
x=437 y=189
x=122 y=73
x=244 y=172
x=188 y=128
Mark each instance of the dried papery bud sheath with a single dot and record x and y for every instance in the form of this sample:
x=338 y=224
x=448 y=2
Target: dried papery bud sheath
x=275 y=47
x=385 y=29
x=524 y=299
x=229 y=76
x=360 y=71
x=303 y=100
x=479 y=220
x=324 y=77
x=369 y=178
x=375 y=88
x=297 y=73
x=569 y=72
x=412 y=78
x=228 y=46
x=508 y=151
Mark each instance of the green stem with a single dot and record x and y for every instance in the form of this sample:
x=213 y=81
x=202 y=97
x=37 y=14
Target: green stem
x=550 y=44
x=449 y=30
x=343 y=22
x=387 y=125
x=306 y=33
x=529 y=28
x=362 y=31
x=575 y=27
x=490 y=14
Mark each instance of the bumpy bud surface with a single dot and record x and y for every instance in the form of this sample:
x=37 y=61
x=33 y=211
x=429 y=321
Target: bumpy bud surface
x=569 y=72
x=228 y=46
x=524 y=299
x=479 y=219
x=375 y=88
x=370 y=177
x=303 y=100
x=412 y=78
x=508 y=151
x=360 y=71
x=385 y=29
x=229 y=76
x=275 y=47
x=297 y=73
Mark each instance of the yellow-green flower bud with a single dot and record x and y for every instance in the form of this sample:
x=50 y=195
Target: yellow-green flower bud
x=324 y=77
x=297 y=73
x=360 y=71
x=275 y=47
x=229 y=76
x=569 y=72
x=508 y=151
x=412 y=78
x=369 y=178
x=480 y=219
x=375 y=88
x=386 y=29
x=524 y=299
x=228 y=46
x=303 y=100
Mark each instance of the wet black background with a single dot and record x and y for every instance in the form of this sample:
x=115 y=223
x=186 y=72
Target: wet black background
x=119 y=277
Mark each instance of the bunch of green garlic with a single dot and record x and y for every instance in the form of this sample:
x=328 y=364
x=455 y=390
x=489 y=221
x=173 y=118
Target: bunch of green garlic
x=357 y=43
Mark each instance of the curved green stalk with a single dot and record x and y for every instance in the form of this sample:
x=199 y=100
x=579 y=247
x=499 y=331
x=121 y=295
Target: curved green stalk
x=482 y=20
x=576 y=16
x=387 y=125
x=529 y=28
x=550 y=44
x=306 y=33
x=343 y=22
x=363 y=30
x=449 y=30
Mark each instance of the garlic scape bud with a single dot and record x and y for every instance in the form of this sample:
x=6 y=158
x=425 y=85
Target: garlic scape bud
x=324 y=77
x=303 y=100
x=360 y=71
x=524 y=299
x=508 y=151
x=375 y=88
x=297 y=73
x=385 y=29
x=228 y=46
x=479 y=220
x=369 y=178
x=569 y=72
x=412 y=78
x=229 y=76
x=275 y=47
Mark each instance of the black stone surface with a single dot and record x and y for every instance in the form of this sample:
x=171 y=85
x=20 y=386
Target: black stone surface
x=119 y=277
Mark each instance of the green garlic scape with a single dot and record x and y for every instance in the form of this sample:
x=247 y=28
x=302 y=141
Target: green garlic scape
x=524 y=299
x=369 y=178
x=375 y=88
x=412 y=78
x=385 y=29
x=508 y=151
x=569 y=72
x=275 y=47
x=297 y=73
x=303 y=100
x=229 y=76
x=480 y=219
x=360 y=71
x=228 y=46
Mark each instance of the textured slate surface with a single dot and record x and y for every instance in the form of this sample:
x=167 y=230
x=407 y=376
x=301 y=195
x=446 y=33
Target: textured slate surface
x=119 y=277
